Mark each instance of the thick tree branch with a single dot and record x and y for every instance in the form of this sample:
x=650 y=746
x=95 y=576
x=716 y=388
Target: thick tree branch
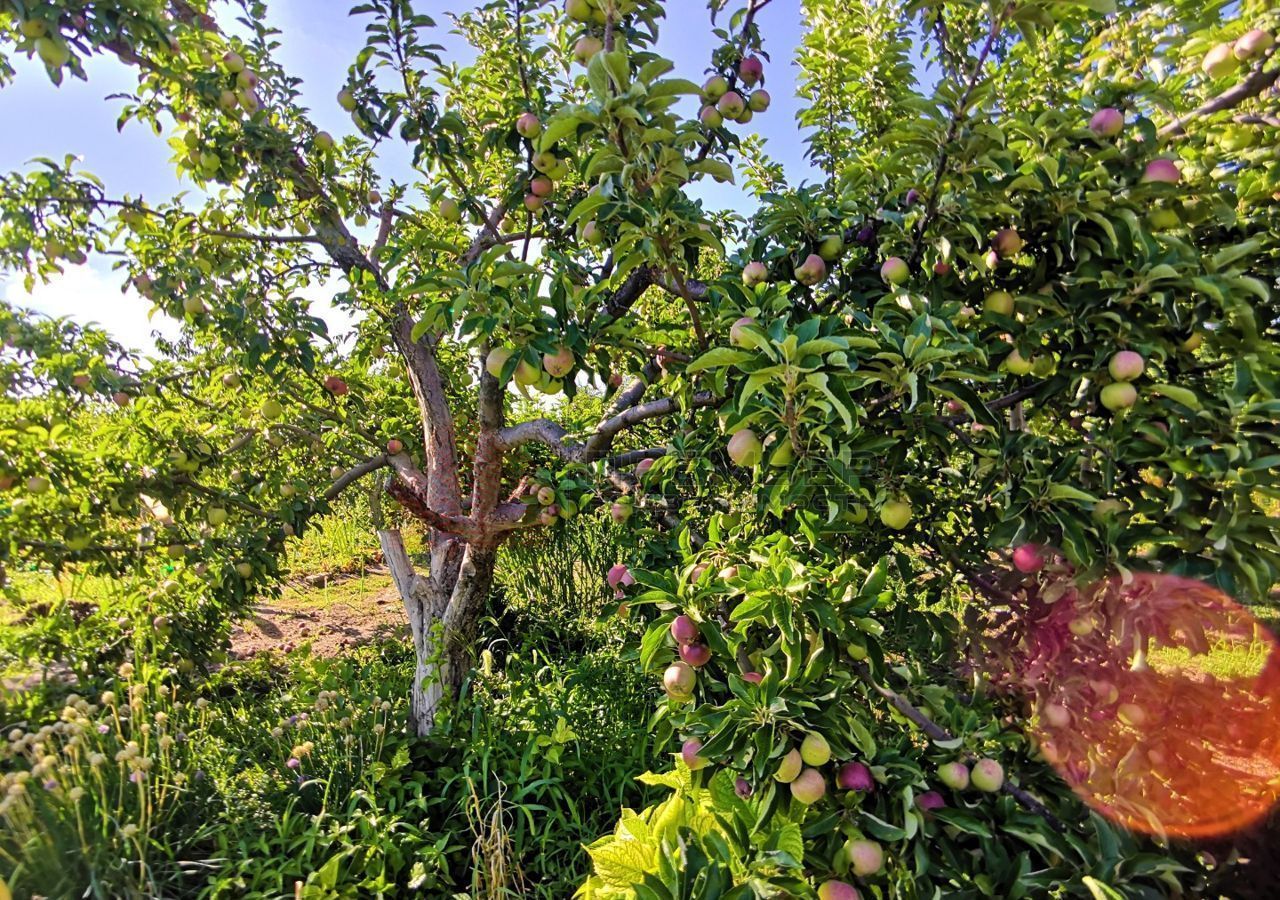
x=354 y=474
x=1257 y=81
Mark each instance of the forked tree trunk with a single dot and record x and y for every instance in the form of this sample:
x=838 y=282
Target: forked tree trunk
x=442 y=623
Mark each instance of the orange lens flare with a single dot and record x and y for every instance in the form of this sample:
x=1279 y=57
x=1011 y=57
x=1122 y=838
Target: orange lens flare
x=1159 y=704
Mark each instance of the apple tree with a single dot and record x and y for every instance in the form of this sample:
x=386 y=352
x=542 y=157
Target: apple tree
x=1016 y=342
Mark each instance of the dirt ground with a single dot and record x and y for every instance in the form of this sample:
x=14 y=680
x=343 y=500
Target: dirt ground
x=342 y=613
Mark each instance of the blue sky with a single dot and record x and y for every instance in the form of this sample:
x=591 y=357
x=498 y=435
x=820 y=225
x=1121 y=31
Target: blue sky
x=319 y=40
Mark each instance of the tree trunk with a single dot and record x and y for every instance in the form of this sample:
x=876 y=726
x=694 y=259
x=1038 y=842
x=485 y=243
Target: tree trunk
x=442 y=624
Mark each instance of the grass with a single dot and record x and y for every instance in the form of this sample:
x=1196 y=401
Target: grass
x=335 y=592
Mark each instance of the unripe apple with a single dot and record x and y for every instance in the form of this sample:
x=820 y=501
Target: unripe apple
x=53 y=52
x=592 y=233
x=271 y=410
x=731 y=105
x=244 y=569
x=1132 y=714
x=526 y=374
x=745 y=448
x=336 y=472
x=578 y=10
x=449 y=210
x=558 y=364
x=754 y=273
x=1161 y=171
x=812 y=271
x=831 y=247
x=987 y=775
x=866 y=857
x=496 y=360
x=620 y=512
x=231 y=380
x=696 y=655
x=585 y=48
x=855 y=776
x=689 y=754
x=895 y=270
x=37 y=484
x=954 y=775
x=1192 y=343
x=815 y=750
x=1017 y=364
x=1028 y=558
x=896 y=514
x=715 y=87
x=991 y=261
x=287 y=490
x=1163 y=219
x=1219 y=61
x=1107 y=122
x=33 y=28
x=545 y=161
x=999 y=303
x=809 y=787
x=394 y=446
x=750 y=70
x=233 y=61
x=193 y=306
x=678 y=681
x=1126 y=365
x=215 y=515
x=528 y=125
x=1253 y=43
x=759 y=101
x=546 y=495
x=710 y=117
x=1120 y=395
x=335 y=385
x=684 y=630
x=1007 y=243
x=323 y=141
x=738 y=336
x=838 y=890
x=346 y=100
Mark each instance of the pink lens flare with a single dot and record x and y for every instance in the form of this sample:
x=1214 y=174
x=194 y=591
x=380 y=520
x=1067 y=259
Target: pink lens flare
x=1155 y=697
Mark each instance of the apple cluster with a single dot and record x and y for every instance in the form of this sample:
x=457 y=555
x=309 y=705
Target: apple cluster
x=549 y=378
x=723 y=101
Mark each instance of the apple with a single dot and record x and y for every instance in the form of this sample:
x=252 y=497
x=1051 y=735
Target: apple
x=244 y=569
x=912 y=198
x=496 y=360
x=541 y=186
x=815 y=750
x=754 y=273
x=1007 y=243
x=750 y=71
x=838 y=890
x=620 y=512
x=194 y=306
x=1253 y=43
x=809 y=787
x=929 y=801
x=896 y=514
x=585 y=48
x=619 y=575
x=323 y=141
x=81 y=382
x=33 y=28
x=53 y=52
x=759 y=101
x=745 y=449
x=1163 y=219
x=287 y=490
x=710 y=117
x=987 y=775
x=1126 y=365
x=998 y=302
x=867 y=857
x=684 y=630
x=678 y=681
x=1016 y=364
x=991 y=260
x=528 y=125
x=1219 y=61
x=545 y=162
x=346 y=100
x=643 y=467
x=1119 y=395
x=812 y=271
x=1131 y=714
x=231 y=380
x=894 y=270
x=1107 y=122
x=449 y=210
x=394 y=446
x=37 y=484
x=215 y=515
x=731 y=105
x=271 y=410
x=335 y=385
x=790 y=766
x=954 y=775
x=752 y=677
x=592 y=233
x=578 y=10
x=546 y=495
x=1161 y=171
x=1192 y=343
x=1055 y=714
x=855 y=776
x=558 y=364
x=533 y=202
x=1028 y=558
x=831 y=247
x=738 y=331
x=715 y=87
x=696 y=655
x=689 y=753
